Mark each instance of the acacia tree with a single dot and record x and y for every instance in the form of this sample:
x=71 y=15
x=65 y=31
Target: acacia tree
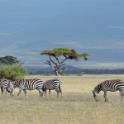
x=58 y=56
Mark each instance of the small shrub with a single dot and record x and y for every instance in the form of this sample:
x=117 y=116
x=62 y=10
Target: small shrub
x=12 y=72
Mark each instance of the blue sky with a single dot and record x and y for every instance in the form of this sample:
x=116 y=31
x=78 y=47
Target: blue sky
x=96 y=26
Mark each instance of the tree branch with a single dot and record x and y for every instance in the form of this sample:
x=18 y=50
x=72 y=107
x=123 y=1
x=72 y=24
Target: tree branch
x=52 y=60
x=57 y=59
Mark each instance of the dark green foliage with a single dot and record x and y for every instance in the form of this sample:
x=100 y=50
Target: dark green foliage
x=12 y=72
x=8 y=60
x=65 y=52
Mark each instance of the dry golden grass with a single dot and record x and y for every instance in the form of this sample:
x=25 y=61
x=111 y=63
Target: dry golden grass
x=77 y=105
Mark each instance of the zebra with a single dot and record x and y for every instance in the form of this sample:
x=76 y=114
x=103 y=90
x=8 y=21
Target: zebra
x=29 y=84
x=109 y=85
x=7 y=85
x=53 y=84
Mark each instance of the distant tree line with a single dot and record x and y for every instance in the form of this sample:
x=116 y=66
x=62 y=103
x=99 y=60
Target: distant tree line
x=12 y=69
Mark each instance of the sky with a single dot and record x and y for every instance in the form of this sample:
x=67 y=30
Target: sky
x=28 y=27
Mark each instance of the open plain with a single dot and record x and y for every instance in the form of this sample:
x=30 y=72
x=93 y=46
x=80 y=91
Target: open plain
x=77 y=105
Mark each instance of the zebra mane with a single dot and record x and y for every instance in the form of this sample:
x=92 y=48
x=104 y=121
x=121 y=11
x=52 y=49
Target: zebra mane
x=98 y=88
x=55 y=79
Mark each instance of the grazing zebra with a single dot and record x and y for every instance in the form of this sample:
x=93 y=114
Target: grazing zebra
x=6 y=85
x=29 y=84
x=53 y=84
x=109 y=85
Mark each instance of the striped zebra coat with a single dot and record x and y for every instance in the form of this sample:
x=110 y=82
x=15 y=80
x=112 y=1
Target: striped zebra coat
x=6 y=85
x=53 y=84
x=109 y=85
x=29 y=84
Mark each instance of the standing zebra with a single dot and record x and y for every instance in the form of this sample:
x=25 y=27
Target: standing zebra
x=6 y=85
x=53 y=84
x=109 y=85
x=29 y=84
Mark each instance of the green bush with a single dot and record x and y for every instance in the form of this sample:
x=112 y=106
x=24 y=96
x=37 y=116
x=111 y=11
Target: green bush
x=12 y=72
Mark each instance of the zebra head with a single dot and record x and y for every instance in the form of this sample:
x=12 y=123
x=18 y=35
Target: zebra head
x=16 y=83
x=94 y=95
x=96 y=91
x=10 y=87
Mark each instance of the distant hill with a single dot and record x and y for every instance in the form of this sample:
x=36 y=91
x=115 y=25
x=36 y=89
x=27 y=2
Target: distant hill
x=73 y=70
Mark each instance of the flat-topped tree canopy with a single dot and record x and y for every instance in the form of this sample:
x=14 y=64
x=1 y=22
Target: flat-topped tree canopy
x=67 y=53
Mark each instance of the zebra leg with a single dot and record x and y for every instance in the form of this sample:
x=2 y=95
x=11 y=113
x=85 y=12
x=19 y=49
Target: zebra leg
x=121 y=97
x=49 y=92
x=105 y=96
x=10 y=90
x=57 y=91
x=25 y=92
x=57 y=94
x=2 y=90
x=20 y=90
x=40 y=92
x=45 y=92
x=60 y=90
x=11 y=93
x=122 y=94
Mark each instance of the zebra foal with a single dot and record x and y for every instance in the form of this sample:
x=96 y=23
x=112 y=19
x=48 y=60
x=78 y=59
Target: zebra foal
x=29 y=84
x=109 y=85
x=53 y=84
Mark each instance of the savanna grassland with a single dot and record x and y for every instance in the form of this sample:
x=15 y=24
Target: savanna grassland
x=77 y=105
